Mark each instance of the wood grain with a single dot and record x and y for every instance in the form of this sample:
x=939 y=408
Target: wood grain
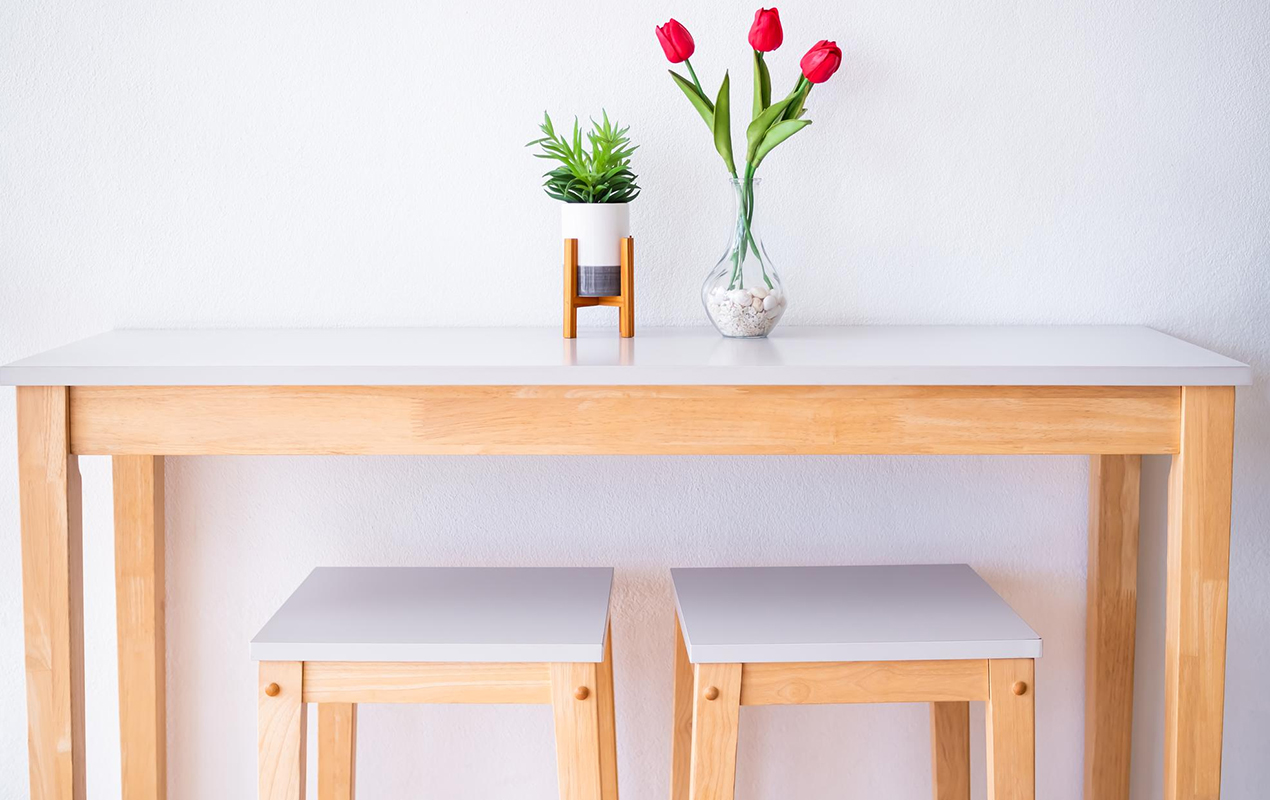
x=570 y=288
x=681 y=726
x=1011 y=726
x=577 y=723
x=864 y=682
x=1111 y=624
x=574 y=420
x=605 y=704
x=52 y=594
x=1196 y=595
x=337 y=751
x=282 y=737
x=399 y=682
x=626 y=311
x=950 y=750
x=715 y=725
x=139 y=609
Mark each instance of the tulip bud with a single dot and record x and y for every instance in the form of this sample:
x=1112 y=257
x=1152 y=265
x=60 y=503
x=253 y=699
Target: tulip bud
x=766 y=34
x=821 y=61
x=676 y=41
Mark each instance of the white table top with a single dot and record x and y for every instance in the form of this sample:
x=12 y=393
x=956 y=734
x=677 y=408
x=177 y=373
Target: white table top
x=793 y=356
x=859 y=613
x=441 y=614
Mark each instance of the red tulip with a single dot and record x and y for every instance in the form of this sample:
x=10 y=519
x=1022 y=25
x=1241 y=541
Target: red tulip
x=676 y=41
x=766 y=34
x=821 y=61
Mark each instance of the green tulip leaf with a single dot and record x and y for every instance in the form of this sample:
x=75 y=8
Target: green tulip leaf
x=723 y=126
x=762 y=85
x=699 y=101
x=758 y=128
x=798 y=97
x=779 y=133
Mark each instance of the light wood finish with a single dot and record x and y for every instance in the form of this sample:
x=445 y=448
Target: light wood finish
x=715 y=725
x=52 y=594
x=570 y=288
x=681 y=728
x=624 y=302
x=1111 y=623
x=1195 y=615
x=864 y=682
x=282 y=737
x=626 y=311
x=1011 y=725
x=139 y=608
x=564 y=420
x=400 y=682
x=337 y=751
x=577 y=724
x=604 y=700
x=950 y=750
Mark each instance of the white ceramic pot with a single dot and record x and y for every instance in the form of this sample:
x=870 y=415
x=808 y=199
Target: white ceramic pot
x=599 y=229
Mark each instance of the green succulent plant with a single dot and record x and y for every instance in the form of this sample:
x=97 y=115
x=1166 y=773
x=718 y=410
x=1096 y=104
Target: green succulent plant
x=601 y=174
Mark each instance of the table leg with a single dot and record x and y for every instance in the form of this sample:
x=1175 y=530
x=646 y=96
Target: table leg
x=52 y=593
x=1111 y=621
x=139 y=604
x=1195 y=615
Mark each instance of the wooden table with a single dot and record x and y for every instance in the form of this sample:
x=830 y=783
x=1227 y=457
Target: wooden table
x=1114 y=393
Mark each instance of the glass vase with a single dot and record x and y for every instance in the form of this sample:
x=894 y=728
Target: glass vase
x=743 y=294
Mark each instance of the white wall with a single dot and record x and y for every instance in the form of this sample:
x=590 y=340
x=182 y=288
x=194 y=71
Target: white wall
x=288 y=163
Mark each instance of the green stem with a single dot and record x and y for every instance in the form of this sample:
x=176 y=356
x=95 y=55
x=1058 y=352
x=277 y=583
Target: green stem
x=693 y=73
x=748 y=217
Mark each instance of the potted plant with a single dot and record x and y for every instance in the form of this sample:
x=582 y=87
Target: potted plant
x=595 y=183
x=743 y=293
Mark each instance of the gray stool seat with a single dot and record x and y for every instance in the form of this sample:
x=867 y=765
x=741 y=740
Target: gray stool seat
x=442 y=614
x=856 y=613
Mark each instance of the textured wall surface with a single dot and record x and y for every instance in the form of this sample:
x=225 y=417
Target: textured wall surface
x=288 y=163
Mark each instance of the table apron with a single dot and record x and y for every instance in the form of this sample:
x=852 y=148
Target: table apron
x=624 y=420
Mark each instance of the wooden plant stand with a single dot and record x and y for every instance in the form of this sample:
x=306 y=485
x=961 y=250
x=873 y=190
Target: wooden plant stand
x=624 y=302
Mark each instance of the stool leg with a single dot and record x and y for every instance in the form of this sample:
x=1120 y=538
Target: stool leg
x=716 y=711
x=1011 y=716
x=950 y=750
x=608 y=720
x=281 y=735
x=575 y=703
x=337 y=751
x=681 y=730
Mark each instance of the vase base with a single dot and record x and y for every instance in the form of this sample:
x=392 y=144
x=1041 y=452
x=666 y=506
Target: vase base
x=741 y=314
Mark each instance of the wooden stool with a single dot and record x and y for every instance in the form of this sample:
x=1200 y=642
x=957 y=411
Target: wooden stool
x=905 y=634
x=436 y=635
